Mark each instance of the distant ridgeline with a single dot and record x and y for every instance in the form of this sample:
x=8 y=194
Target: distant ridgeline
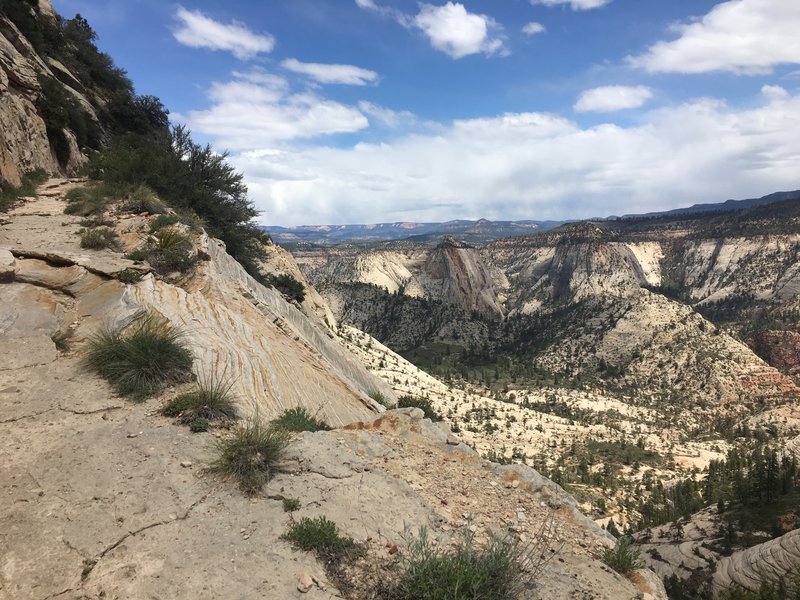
x=91 y=113
x=484 y=231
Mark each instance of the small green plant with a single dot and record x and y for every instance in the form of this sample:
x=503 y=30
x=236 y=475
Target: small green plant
x=298 y=419
x=210 y=400
x=321 y=535
x=250 y=455
x=168 y=250
x=286 y=285
x=623 y=557
x=143 y=200
x=421 y=403
x=199 y=425
x=96 y=221
x=141 y=360
x=502 y=570
x=90 y=200
x=129 y=276
x=379 y=398
x=162 y=221
x=171 y=250
x=97 y=239
x=291 y=504
x=137 y=255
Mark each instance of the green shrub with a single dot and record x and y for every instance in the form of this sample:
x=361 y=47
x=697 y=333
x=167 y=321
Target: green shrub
x=137 y=255
x=421 y=403
x=298 y=419
x=143 y=199
x=129 y=276
x=141 y=360
x=169 y=250
x=286 y=285
x=379 y=398
x=321 y=536
x=291 y=504
x=96 y=221
x=211 y=400
x=162 y=221
x=250 y=454
x=91 y=199
x=186 y=175
x=199 y=425
x=786 y=588
x=623 y=557
x=497 y=571
x=96 y=239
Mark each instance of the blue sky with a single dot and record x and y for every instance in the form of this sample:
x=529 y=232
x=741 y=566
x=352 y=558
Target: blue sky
x=354 y=111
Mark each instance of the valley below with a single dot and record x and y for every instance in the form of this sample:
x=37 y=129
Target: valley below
x=622 y=359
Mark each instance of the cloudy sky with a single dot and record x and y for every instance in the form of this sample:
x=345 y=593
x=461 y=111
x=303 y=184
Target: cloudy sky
x=360 y=111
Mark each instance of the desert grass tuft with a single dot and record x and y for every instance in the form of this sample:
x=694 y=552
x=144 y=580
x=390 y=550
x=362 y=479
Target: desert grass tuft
x=143 y=200
x=380 y=398
x=168 y=250
x=321 y=536
x=98 y=239
x=291 y=504
x=92 y=199
x=298 y=419
x=250 y=454
x=140 y=360
x=500 y=570
x=210 y=400
x=623 y=557
x=10 y=194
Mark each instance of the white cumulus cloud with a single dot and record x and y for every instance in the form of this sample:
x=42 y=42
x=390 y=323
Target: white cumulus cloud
x=331 y=73
x=450 y=28
x=611 y=98
x=386 y=116
x=256 y=110
x=533 y=28
x=740 y=36
x=574 y=4
x=199 y=31
x=458 y=32
x=535 y=166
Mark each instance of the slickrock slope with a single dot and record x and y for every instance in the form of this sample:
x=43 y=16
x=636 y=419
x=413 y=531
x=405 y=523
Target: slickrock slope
x=768 y=561
x=274 y=354
x=694 y=552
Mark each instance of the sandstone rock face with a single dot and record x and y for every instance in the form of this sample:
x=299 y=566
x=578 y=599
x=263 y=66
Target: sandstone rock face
x=765 y=267
x=458 y=276
x=453 y=274
x=24 y=144
x=23 y=138
x=780 y=349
